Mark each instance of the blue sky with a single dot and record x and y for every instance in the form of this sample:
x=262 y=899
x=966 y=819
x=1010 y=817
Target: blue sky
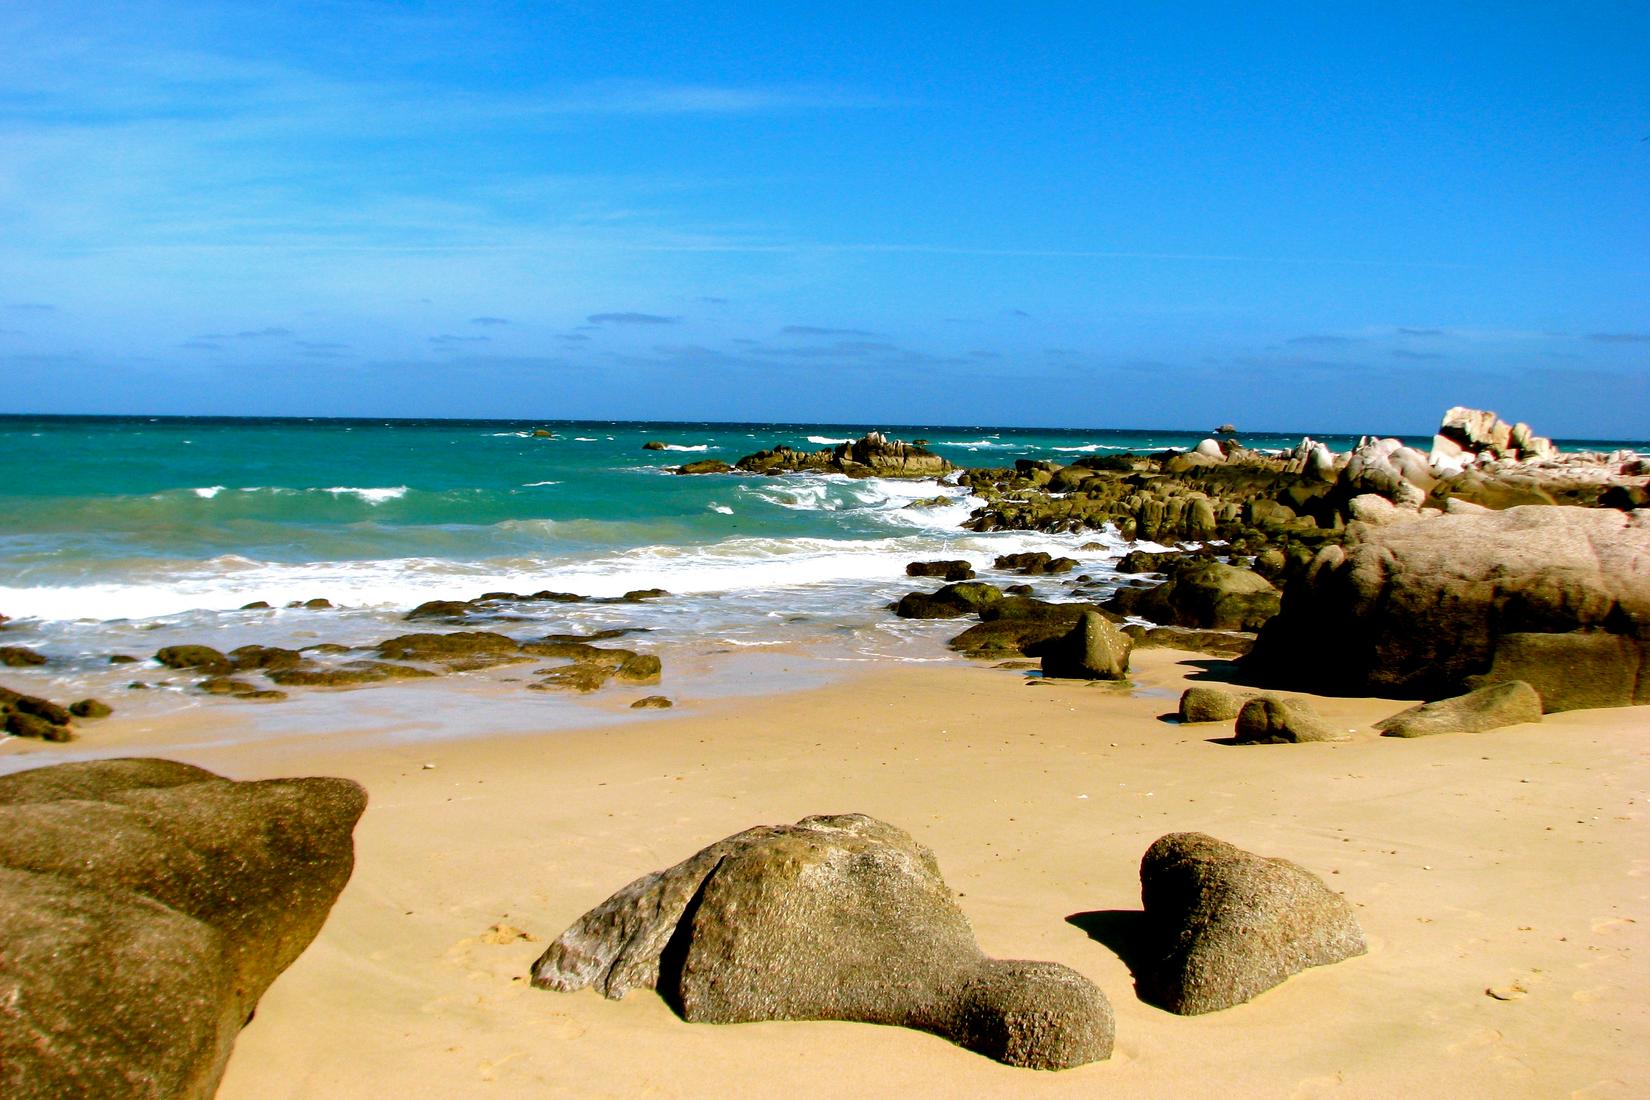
x=1316 y=217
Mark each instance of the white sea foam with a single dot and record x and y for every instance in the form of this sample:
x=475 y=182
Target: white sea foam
x=722 y=508
x=585 y=439
x=371 y=496
x=1090 y=448
x=536 y=484
x=680 y=447
x=826 y=440
x=209 y=491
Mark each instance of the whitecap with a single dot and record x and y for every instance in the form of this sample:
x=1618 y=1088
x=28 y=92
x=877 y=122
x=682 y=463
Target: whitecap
x=722 y=508
x=371 y=496
x=536 y=484
x=680 y=447
x=584 y=439
x=208 y=492
x=827 y=440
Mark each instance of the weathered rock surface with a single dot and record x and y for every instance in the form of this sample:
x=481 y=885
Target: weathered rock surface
x=1415 y=609
x=1206 y=704
x=1093 y=650
x=1221 y=643
x=1574 y=671
x=147 y=906
x=705 y=466
x=1505 y=704
x=833 y=918
x=23 y=715
x=201 y=657
x=1228 y=925
x=1268 y=720
x=874 y=455
x=951 y=602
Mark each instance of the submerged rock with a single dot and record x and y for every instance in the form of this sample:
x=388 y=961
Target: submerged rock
x=147 y=906
x=201 y=657
x=1227 y=925
x=18 y=656
x=949 y=570
x=833 y=918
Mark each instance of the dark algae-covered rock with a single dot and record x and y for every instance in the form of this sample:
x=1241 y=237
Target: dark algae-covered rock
x=18 y=656
x=1227 y=925
x=201 y=657
x=147 y=906
x=833 y=918
x=23 y=715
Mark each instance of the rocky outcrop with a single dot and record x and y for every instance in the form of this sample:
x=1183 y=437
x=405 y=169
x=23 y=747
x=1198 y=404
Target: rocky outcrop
x=147 y=906
x=20 y=656
x=1489 y=708
x=1268 y=720
x=873 y=455
x=833 y=918
x=1415 y=609
x=1227 y=925
x=951 y=602
x=705 y=466
x=1093 y=650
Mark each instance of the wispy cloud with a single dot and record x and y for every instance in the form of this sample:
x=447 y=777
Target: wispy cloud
x=489 y=320
x=1421 y=332
x=815 y=330
x=446 y=340
x=1405 y=353
x=1323 y=340
x=1619 y=337
x=631 y=319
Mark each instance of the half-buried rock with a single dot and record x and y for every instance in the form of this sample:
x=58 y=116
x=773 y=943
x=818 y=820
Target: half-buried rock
x=147 y=905
x=1228 y=924
x=1487 y=708
x=1269 y=720
x=833 y=918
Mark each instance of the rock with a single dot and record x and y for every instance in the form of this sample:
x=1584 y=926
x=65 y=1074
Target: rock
x=1415 y=609
x=1223 y=643
x=31 y=716
x=833 y=918
x=248 y=657
x=1209 y=448
x=347 y=675
x=256 y=605
x=1094 y=650
x=1203 y=594
x=1000 y=638
x=1205 y=704
x=951 y=602
x=122 y=659
x=147 y=906
x=1228 y=925
x=90 y=708
x=444 y=647
x=1035 y=564
x=1268 y=720
x=440 y=609
x=949 y=570
x=874 y=455
x=1575 y=671
x=200 y=657
x=223 y=685
x=318 y=604
x=1505 y=704
x=644 y=668
x=652 y=702
x=654 y=445
x=705 y=466
x=582 y=678
x=17 y=656
x=541 y=433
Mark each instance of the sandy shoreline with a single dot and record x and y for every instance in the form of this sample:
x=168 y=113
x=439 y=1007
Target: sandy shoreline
x=1515 y=858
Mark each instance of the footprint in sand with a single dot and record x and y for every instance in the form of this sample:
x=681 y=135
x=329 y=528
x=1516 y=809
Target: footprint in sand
x=1476 y=1039
x=1311 y=1087
x=1612 y=924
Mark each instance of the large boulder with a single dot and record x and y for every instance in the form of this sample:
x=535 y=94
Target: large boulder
x=951 y=602
x=147 y=906
x=1093 y=650
x=1415 y=609
x=833 y=918
x=1227 y=925
x=1205 y=594
x=1487 y=708
x=1574 y=671
x=1207 y=704
x=873 y=455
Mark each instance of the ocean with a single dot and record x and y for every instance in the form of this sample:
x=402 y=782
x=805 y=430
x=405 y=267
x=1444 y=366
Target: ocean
x=119 y=535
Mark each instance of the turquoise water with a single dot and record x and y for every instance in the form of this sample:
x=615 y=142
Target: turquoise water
x=124 y=534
